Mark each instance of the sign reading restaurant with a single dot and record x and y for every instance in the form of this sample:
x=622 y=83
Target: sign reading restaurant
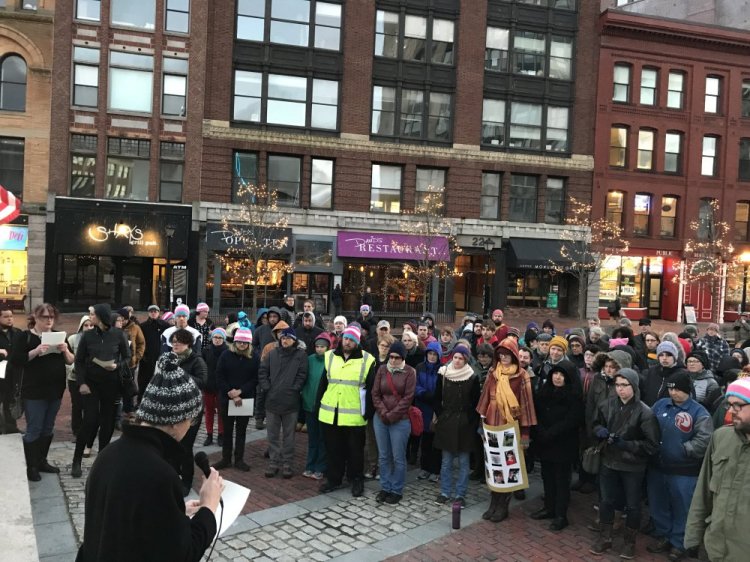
x=380 y=245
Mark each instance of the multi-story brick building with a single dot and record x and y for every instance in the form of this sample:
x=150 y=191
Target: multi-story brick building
x=25 y=67
x=671 y=139
x=348 y=110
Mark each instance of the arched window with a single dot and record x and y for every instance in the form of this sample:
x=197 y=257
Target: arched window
x=13 y=83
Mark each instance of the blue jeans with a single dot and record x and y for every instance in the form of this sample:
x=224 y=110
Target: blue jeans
x=669 y=497
x=392 y=440
x=618 y=487
x=316 y=446
x=40 y=418
x=446 y=474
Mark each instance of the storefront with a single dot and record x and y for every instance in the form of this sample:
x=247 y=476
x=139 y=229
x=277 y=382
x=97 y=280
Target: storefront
x=313 y=271
x=231 y=278
x=117 y=252
x=14 y=240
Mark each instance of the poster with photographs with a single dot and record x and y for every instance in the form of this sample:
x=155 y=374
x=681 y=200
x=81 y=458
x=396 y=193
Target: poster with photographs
x=504 y=466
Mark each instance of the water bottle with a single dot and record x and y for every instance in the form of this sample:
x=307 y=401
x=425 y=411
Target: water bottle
x=456 y=515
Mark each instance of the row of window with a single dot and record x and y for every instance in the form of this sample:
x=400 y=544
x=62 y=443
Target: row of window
x=138 y=15
x=131 y=79
x=650 y=84
x=529 y=52
x=128 y=168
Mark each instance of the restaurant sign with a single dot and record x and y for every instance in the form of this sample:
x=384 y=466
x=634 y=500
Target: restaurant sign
x=378 y=245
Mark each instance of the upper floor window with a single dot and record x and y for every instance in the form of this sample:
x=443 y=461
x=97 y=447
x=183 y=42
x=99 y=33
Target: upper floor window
x=321 y=184
x=417 y=115
x=424 y=39
x=668 y=216
x=618 y=146
x=621 y=76
x=12 y=83
x=554 y=204
x=83 y=165
x=713 y=93
x=128 y=167
x=744 y=167
x=429 y=181
x=140 y=15
x=30 y=5
x=174 y=92
x=530 y=54
x=385 y=192
x=496 y=49
x=741 y=220
x=85 y=76
x=641 y=214
x=171 y=169
x=131 y=80
x=244 y=175
x=709 y=155
x=615 y=207
x=178 y=16
x=490 y=199
x=645 y=150
x=649 y=79
x=302 y=23
x=522 y=200
x=673 y=153
x=706 y=218
x=88 y=10
x=531 y=126
x=11 y=165
x=675 y=90
x=557 y=4
x=560 y=57
x=746 y=98
x=284 y=178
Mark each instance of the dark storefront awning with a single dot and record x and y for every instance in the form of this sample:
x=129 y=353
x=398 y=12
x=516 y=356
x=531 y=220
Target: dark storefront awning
x=535 y=253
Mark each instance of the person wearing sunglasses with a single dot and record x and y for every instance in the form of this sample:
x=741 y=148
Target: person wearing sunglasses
x=721 y=506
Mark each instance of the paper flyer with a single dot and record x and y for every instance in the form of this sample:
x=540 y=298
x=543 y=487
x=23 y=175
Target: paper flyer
x=234 y=497
x=504 y=463
x=246 y=409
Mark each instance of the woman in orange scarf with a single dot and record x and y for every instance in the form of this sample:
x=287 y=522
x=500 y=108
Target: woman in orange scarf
x=506 y=397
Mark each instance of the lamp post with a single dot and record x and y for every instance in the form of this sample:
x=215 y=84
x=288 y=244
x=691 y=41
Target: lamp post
x=745 y=259
x=169 y=229
x=489 y=244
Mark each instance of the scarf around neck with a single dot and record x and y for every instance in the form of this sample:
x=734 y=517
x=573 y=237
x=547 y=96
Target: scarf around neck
x=505 y=399
x=456 y=375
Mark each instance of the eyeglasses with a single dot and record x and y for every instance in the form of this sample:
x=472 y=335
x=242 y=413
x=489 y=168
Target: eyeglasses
x=689 y=361
x=621 y=385
x=736 y=407
x=395 y=357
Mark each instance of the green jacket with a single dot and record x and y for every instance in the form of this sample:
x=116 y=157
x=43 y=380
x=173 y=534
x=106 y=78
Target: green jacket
x=315 y=369
x=720 y=508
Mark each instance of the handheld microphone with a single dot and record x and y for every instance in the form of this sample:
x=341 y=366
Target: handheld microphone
x=201 y=461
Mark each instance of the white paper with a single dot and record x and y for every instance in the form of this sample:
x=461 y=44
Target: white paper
x=248 y=405
x=3 y=366
x=53 y=339
x=234 y=498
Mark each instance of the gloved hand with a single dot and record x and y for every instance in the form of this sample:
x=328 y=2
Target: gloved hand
x=602 y=433
x=619 y=442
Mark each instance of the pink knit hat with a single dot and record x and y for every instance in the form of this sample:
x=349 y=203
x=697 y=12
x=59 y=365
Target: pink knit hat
x=243 y=334
x=741 y=389
x=353 y=333
x=202 y=307
x=182 y=310
x=167 y=316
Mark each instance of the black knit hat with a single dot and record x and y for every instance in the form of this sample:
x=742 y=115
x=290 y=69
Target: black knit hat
x=171 y=397
x=700 y=356
x=680 y=380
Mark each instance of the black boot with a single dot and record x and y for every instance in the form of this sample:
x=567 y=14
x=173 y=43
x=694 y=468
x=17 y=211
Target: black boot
x=226 y=459
x=43 y=465
x=501 y=513
x=30 y=451
x=628 y=548
x=494 y=498
x=75 y=470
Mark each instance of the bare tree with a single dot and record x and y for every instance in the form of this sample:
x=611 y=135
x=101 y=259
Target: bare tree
x=256 y=230
x=586 y=245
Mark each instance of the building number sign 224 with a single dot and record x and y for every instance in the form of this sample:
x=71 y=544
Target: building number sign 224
x=480 y=241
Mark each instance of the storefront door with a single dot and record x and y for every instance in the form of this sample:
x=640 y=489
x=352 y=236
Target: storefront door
x=654 y=296
x=315 y=286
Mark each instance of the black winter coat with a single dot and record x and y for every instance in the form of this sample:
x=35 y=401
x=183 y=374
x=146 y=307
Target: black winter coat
x=654 y=382
x=456 y=409
x=195 y=366
x=104 y=345
x=152 y=331
x=559 y=417
x=134 y=505
x=211 y=357
x=236 y=371
x=636 y=425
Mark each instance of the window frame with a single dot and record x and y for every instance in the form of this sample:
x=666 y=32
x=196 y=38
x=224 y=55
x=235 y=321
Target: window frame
x=623 y=147
x=485 y=198
x=380 y=188
x=88 y=19
x=168 y=10
x=86 y=153
x=678 y=155
x=296 y=202
x=20 y=171
x=143 y=147
x=174 y=73
x=745 y=98
x=167 y=159
x=742 y=235
x=647 y=214
x=681 y=92
x=5 y=83
x=426 y=117
x=237 y=155
x=653 y=89
x=330 y=186
x=559 y=201
x=626 y=85
x=706 y=155
x=116 y=67
x=672 y=216
x=715 y=98
x=619 y=211
x=420 y=188
x=744 y=150
x=88 y=65
x=643 y=149
x=429 y=50
x=120 y=25
x=526 y=205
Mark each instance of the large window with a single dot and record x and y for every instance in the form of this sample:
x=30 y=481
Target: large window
x=416 y=119
x=302 y=23
x=641 y=214
x=83 y=165
x=88 y=9
x=673 y=153
x=424 y=39
x=12 y=83
x=85 y=76
x=284 y=177
x=713 y=92
x=529 y=53
x=560 y=57
x=178 y=16
x=140 y=14
x=675 y=90
x=429 y=181
x=496 y=49
x=615 y=207
x=741 y=220
x=706 y=218
x=171 y=168
x=746 y=98
x=174 y=92
x=618 y=146
x=525 y=126
x=385 y=194
x=645 y=150
x=131 y=80
x=321 y=186
x=649 y=79
x=554 y=201
x=621 y=78
x=493 y=122
x=668 y=216
x=744 y=168
x=522 y=201
x=490 y=203
x=127 y=169
x=293 y=101
x=557 y=129
x=244 y=174
x=11 y=165
x=709 y=155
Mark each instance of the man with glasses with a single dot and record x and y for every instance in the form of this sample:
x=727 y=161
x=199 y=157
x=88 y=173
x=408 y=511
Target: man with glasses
x=720 y=508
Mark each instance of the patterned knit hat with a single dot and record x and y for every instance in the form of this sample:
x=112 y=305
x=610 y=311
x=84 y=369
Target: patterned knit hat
x=364 y=308
x=741 y=389
x=219 y=332
x=167 y=316
x=353 y=333
x=182 y=310
x=341 y=319
x=202 y=307
x=171 y=397
x=243 y=334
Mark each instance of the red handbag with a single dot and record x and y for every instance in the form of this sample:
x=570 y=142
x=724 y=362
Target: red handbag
x=415 y=414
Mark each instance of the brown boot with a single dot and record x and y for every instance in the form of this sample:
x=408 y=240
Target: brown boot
x=494 y=498
x=628 y=549
x=501 y=512
x=604 y=542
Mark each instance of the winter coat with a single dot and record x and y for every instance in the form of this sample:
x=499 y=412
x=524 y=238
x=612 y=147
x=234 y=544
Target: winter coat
x=281 y=377
x=715 y=348
x=390 y=407
x=546 y=367
x=152 y=331
x=104 y=345
x=415 y=357
x=44 y=376
x=424 y=393
x=211 y=357
x=457 y=419
x=263 y=335
x=559 y=416
x=706 y=388
x=166 y=344
x=315 y=369
x=685 y=433
x=195 y=366
x=134 y=505
x=653 y=385
x=205 y=330
x=235 y=371
x=137 y=343
x=309 y=337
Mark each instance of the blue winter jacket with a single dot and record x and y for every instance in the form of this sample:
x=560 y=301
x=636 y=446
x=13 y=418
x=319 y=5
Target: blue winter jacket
x=427 y=377
x=685 y=434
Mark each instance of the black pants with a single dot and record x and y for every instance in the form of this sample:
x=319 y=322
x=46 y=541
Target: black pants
x=431 y=458
x=7 y=421
x=556 y=479
x=145 y=372
x=76 y=408
x=99 y=409
x=260 y=404
x=188 y=463
x=230 y=424
x=345 y=452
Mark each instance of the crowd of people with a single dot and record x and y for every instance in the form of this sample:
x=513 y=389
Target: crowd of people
x=657 y=419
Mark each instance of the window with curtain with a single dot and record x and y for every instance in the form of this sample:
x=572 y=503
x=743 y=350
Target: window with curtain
x=131 y=80
x=12 y=83
x=496 y=49
x=493 y=122
x=618 y=146
x=525 y=126
x=668 y=216
x=529 y=53
x=615 y=207
x=523 y=198
x=641 y=214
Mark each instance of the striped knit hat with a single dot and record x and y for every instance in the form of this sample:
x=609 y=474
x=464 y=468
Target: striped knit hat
x=202 y=307
x=219 y=332
x=171 y=397
x=182 y=310
x=741 y=389
x=353 y=333
x=167 y=315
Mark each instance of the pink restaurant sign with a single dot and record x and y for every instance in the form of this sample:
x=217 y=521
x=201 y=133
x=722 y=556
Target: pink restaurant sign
x=376 y=245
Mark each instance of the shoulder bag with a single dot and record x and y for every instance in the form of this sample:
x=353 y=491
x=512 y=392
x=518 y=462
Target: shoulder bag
x=415 y=414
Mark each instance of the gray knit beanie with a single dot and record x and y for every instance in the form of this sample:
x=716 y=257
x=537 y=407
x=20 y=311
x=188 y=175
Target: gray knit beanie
x=171 y=397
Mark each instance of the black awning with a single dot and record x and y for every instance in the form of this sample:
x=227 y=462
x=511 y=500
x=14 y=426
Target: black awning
x=535 y=253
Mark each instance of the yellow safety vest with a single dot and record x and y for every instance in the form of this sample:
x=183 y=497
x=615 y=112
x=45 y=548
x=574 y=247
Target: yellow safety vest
x=345 y=379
